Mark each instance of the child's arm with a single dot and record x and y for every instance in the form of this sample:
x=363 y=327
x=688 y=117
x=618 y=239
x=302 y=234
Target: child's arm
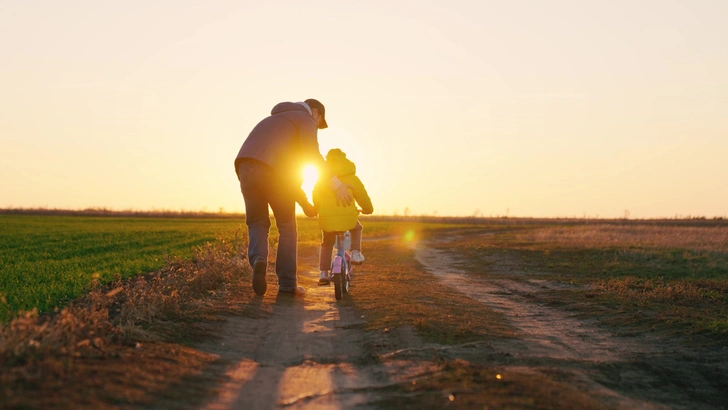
x=362 y=197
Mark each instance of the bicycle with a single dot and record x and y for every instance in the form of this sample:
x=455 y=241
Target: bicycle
x=341 y=266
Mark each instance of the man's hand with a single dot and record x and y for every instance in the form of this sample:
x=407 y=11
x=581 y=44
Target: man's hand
x=343 y=197
x=309 y=210
x=341 y=190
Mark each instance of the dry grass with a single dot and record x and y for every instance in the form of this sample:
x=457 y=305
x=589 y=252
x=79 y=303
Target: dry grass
x=685 y=306
x=608 y=236
x=651 y=277
x=710 y=291
x=116 y=338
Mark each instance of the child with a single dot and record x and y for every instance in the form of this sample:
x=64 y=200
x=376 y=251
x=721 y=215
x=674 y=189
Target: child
x=335 y=219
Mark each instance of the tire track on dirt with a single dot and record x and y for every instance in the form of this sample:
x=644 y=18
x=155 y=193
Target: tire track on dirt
x=548 y=332
x=555 y=341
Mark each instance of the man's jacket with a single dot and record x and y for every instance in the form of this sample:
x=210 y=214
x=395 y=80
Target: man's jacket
x=286 y=141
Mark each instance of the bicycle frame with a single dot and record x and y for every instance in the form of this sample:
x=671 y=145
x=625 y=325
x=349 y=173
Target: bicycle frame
x=341 y=266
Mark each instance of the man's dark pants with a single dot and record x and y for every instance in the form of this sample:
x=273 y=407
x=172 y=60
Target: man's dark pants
x=261 y=187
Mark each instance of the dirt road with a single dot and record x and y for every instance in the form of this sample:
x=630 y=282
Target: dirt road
x=313 y=353
x=304 y=354
x=635 y=372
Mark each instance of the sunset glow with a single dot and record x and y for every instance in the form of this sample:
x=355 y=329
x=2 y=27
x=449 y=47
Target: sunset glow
x=469 y=108
x=310 y=176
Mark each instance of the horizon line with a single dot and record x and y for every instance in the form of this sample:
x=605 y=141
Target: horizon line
x=104 y=211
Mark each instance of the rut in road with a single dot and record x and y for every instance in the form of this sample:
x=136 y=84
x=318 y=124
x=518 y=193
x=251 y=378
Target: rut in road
x=637 y=372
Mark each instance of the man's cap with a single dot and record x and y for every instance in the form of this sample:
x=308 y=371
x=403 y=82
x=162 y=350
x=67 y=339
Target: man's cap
x=320 y=107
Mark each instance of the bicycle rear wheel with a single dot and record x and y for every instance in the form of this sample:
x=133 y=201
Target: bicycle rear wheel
x=338 y=286
x=346 y=278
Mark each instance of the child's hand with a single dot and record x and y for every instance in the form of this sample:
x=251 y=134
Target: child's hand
x=309 y=210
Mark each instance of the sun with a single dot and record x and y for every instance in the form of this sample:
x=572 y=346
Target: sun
x=310 y=176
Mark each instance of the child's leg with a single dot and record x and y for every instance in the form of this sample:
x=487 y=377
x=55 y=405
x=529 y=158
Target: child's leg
x=327 y=247
x=356 y=236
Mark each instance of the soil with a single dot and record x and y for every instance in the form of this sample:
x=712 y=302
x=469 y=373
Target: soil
x=315 y=353
x=639 y=371
x=305 y=353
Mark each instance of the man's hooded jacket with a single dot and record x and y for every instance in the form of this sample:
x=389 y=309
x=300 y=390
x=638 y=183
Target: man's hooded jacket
x=286 y=141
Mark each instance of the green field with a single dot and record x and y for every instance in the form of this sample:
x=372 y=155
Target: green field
x=664 y=281
x=47 y=260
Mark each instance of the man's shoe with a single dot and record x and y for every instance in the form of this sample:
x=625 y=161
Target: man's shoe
x=324 y=278
x=357 y=258
x=297 y=291
x=259 y=283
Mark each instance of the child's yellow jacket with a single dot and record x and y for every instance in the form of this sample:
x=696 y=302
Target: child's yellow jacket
x=334 y=218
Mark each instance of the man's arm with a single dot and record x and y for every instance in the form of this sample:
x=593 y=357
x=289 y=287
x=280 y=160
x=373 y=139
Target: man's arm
x=302 y=200
x=310 y=147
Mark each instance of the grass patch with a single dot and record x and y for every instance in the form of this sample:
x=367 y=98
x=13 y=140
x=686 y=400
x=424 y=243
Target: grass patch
x=650 y=252
x=656 y=277
x=48 y=260
x=112 y=346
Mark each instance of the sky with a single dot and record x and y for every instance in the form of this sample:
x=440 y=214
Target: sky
x=559 y=108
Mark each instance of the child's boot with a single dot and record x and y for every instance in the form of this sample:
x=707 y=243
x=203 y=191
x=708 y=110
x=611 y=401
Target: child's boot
x=357 y=258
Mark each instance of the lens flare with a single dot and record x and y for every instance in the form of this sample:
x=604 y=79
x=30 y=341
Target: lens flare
x=409 y=236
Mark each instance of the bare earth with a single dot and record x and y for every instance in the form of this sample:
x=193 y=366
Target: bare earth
x=313 y=353
x=307 y=354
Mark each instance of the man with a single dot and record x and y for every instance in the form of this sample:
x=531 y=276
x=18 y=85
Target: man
x=269 y=168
